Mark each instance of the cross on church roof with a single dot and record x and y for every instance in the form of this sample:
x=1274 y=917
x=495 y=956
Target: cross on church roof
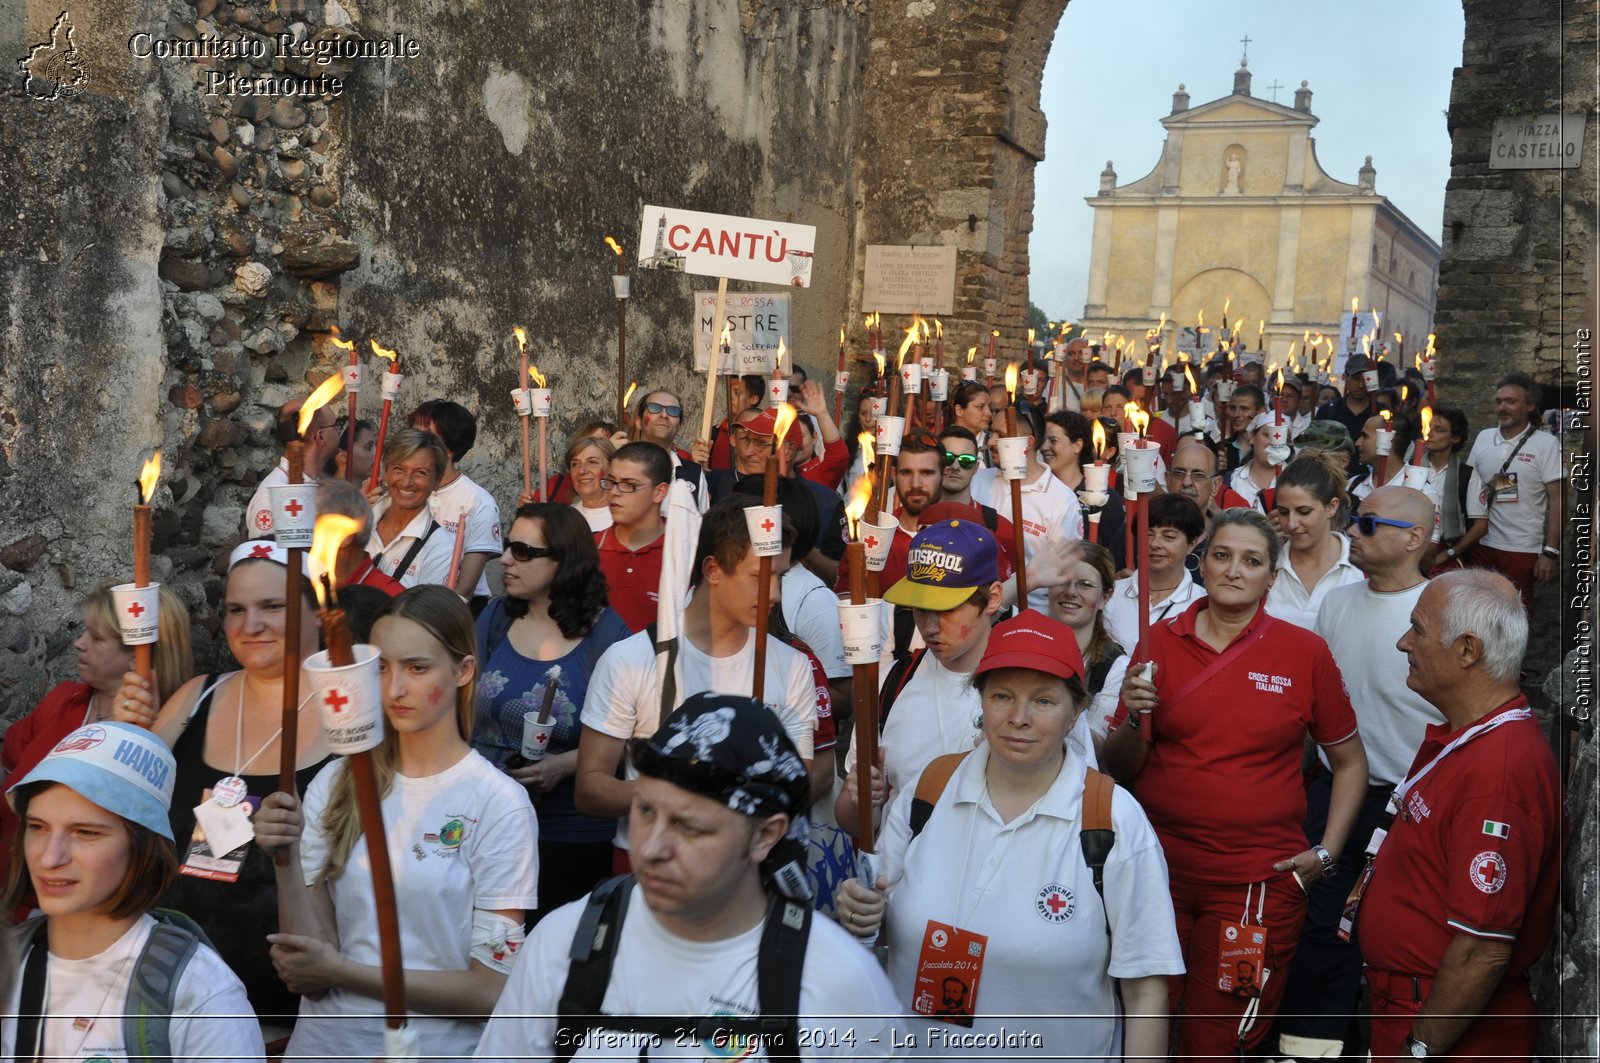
x=1273 y=88
x=1246 y=42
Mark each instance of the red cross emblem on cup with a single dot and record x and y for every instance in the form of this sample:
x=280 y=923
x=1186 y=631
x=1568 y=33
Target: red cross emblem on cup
x=136 y=610
x=336 y=701
x=294 y=508
x=767 y=525
x=871 y=542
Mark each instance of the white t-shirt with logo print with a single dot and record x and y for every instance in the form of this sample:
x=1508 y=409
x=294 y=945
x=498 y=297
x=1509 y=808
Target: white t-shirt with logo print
x=464 y=839
x=1515 y=525
x=483 y=519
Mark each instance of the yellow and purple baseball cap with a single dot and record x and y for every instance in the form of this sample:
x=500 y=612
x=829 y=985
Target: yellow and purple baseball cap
x=945 y=563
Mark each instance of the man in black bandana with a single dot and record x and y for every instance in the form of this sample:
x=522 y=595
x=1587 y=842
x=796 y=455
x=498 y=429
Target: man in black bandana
x=724 y=921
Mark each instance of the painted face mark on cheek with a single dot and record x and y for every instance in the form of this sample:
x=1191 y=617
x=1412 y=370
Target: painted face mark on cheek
x=964 y=633
x=435 y=695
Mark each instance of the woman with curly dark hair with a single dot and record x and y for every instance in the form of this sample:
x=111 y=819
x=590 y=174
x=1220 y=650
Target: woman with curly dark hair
x=538 y=644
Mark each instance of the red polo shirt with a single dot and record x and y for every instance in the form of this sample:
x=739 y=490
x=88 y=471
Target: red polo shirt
x=829 y=469
x=1221 y=780
x=633 y=577
x=1475 y=849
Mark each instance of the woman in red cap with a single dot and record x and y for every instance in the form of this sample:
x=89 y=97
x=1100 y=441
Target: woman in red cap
x=988 y=877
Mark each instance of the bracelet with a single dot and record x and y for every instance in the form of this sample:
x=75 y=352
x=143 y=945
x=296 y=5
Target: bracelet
x=1325 y=857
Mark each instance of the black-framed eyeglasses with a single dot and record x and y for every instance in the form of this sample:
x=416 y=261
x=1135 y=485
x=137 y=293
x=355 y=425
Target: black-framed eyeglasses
x=1367 y=524
x=525 y=552
x=670 y=411
x=627 y=487
x=966 y=461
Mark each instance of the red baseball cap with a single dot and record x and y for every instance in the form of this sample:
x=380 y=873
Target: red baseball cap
x=1036 y=642
x=765 y=423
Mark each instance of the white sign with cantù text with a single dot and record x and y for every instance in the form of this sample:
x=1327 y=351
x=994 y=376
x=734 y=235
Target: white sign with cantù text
x=909 y=280
x=721 y=245
x=1537 y=142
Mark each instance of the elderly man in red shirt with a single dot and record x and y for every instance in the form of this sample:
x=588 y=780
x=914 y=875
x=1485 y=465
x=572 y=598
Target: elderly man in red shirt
x=1460 y=897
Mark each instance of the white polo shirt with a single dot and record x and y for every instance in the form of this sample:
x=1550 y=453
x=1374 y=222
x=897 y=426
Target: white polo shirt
x=1515 y=524
x=258 y=514
x=811 y=610
x=1289 y=600
x=483 y=519
x=1049 y=510
x=1121 y=614
x=432 y=563
x=1026 y=886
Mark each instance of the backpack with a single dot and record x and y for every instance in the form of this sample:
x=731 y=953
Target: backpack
x=895 y=680
x=152 y=989
x=1097 y=836
x=779 y=965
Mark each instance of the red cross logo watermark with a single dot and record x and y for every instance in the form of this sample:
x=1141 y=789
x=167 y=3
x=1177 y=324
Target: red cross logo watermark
x=261 y=550
x=336 y=701
x=136 y=610
x=1055 y=903
x=294 y=508
x=1489 y=871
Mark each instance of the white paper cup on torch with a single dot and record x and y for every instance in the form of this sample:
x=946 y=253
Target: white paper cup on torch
x=1278 y=434
x=939 y=385
x=390 y=385
x=927 y=366
x=543 y=400
x=1030 y=381
x=777 y=392
x=991 y=366
x=1147 y=373
x=1383 y=442
x=766 y=529
x=522 y=399
x=1096 y=489
x=349 y=699
x=911 y=378
x=891 y=431
x=1125 y=443
x=1412 y=476
x=841 y=380
x=969 y=372
x=1224 y=390
x=619 y=285
x=138 y=612
x=1013 y=456
x=352 y=378
x=294 y=514
x=1370 y=378
x=535 y=735
x=879 y=407
x=1429 y=367
x=862 y=628
x=877 y=539
x=1142 y=458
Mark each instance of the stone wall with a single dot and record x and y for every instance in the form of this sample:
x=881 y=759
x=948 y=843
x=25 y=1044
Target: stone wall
x=175 y=260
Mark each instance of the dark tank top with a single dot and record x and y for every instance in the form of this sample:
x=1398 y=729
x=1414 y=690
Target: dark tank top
x=236 y=916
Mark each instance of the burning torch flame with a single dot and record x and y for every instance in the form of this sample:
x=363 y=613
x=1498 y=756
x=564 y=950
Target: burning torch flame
x=868 y=443
x=1030 y=337
x=615 y=247
x=339 y=341
x=1354 y=302
x=1226 y=302
x=1200 y=319
x=1098 y=435
x=628 y=395
x=995 y=333
x=331 y=531
x=861 y=494
x=384 y=352
x=782 y=350
x=1011 y=379
x=972 y=352
x=1387 y=417
x=841 y=335
x=878 y=356
x=318 y=399
x=149 y=476
x=905 y=345
x=1399 y=337
x=1188 y=374
x=1280 y=379
x=786 y=415
x=938 y=328
x=1366 y=346
x=1137 y=417
x=1429 y=351
x=538 y=378
x=727 y=334
x=522 y=338
x=1427 y=422
x=1161 y=325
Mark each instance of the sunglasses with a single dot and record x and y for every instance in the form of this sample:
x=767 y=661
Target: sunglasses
x=1367 y=524
x=966 y=461
x=670 y=411
x=627 y=487
x=524 y=552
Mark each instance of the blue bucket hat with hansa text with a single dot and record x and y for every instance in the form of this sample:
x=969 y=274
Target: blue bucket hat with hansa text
x=946 y=562
x=124 y=769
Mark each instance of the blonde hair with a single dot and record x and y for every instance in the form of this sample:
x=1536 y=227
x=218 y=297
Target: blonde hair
x=442 y=613
x=173 y=657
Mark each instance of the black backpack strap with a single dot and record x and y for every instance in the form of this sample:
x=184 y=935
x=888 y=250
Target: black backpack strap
x=898 y=676
x=1097 y=835
x=991 y=519
x=593 y=951
x=499 y=624
x=669 y=682
x=30 y=1009
x=902 y=624
x=153 y=987
x=1100 y=669
x=779 y=968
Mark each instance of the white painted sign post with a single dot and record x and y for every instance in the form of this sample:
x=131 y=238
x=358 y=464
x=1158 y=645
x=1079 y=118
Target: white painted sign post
x=725 y=246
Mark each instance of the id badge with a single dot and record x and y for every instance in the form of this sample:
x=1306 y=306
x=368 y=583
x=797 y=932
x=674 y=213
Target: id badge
x=947 y=973
x=1352 y=903
x=1505 y=486
x=1241 y=955
x=227 y=828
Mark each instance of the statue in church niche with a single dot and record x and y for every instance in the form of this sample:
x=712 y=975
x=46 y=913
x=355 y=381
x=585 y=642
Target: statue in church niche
x=1234 y=166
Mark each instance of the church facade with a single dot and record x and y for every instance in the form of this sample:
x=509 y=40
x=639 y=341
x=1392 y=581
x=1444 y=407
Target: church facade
x=1238 y=211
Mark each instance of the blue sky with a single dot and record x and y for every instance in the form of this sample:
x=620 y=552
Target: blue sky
x=1380 y=73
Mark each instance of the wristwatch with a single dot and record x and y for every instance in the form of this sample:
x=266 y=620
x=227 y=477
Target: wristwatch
x=1551 y=552
x=1418 y=1049
x=1450 y=553
x=1325 y=858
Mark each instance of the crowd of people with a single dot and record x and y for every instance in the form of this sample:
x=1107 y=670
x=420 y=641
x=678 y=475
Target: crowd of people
x=1183 y=812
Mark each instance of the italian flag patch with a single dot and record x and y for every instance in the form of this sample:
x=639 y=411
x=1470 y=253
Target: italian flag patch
x=1496 y=829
